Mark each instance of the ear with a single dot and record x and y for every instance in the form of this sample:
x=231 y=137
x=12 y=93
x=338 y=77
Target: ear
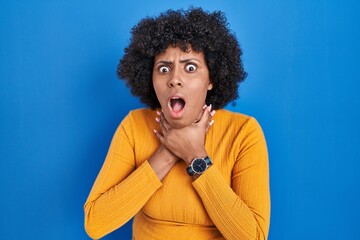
x=210 y=86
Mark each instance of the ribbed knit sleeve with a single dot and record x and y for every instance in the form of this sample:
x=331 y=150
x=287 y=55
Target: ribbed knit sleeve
x=242 y=210
x=231 y=200
x=121 y=189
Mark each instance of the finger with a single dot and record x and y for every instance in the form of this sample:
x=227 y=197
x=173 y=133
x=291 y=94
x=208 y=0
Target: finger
x=157 y=118
x=210 y=121
x=159 y=135
x=206 y=116
x=164 y=126
x=160 y=121
x=209 y=125
x=164 y=122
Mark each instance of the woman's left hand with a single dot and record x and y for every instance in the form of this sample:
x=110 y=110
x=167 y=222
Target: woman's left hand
x=188 y=142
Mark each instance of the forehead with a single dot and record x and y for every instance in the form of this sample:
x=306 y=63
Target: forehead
x=173 y=53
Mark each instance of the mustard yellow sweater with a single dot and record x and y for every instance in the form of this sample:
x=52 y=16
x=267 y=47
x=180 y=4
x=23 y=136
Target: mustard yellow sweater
x=231 y=200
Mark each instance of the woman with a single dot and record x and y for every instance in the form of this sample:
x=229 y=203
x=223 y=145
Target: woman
x=183 y=170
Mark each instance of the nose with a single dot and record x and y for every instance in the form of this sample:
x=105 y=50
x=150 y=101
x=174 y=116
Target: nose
x=175 y=80
x=175 y=83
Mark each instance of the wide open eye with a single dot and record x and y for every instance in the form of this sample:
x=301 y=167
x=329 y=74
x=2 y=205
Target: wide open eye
x=190 y=67
x=164 y=69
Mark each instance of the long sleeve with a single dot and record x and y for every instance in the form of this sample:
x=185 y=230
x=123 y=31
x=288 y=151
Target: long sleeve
x=229 y=201
x=121 y=188
x=242 y=210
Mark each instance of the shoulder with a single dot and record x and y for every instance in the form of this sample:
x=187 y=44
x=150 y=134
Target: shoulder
x=139 y=116
x=136 y=123
x=236 y=122
x=227 y=114
x=244 y=131
x=139 y=121
x=237 y=118
x=141 y=112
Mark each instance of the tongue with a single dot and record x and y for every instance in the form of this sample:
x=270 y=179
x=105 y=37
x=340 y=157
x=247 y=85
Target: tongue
x=177 y=105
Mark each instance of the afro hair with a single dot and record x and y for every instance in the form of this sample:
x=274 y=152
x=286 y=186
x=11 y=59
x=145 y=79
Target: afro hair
x=194 y=28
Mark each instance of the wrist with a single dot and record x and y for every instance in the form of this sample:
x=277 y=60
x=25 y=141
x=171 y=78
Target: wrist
x=198 y=166
x=162 y=162
x=166 y=154
x=190 y=158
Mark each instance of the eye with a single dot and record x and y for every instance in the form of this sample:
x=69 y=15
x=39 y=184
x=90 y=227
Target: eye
x=164 y=69
x=190 y=67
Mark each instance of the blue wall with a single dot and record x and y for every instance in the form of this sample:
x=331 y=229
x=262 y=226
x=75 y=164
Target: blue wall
x=60 y=103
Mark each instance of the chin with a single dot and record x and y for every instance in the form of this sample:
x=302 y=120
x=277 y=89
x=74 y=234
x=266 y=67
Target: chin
x=177 y=123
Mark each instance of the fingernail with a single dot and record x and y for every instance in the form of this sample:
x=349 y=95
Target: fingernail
x=209 y=107
x=155 y=131
x=205 y=106
x=212 y=113
x=158 y=113
x=157 y=119
x=211 y=123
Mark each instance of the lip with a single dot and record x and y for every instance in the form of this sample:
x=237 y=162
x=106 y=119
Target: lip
x=176 y=115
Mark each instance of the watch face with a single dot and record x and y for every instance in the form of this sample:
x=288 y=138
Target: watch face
x=199 y=165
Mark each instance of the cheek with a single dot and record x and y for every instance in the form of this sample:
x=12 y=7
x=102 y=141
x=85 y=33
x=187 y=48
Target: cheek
x=159 y=89
x=156 y=87
x=199 y=94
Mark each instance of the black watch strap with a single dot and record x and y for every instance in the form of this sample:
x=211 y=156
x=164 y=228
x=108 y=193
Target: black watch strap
x=208 y=161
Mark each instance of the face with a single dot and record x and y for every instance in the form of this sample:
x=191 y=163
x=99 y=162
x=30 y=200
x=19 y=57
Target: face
x=181 y=82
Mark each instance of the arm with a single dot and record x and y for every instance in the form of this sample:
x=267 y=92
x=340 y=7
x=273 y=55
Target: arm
x=121 y=189
x=241 y=211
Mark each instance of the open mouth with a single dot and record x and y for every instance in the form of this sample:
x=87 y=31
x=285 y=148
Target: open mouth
x=176 y=104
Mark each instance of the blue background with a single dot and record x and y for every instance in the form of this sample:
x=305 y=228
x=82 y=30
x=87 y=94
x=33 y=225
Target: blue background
x=60 y=103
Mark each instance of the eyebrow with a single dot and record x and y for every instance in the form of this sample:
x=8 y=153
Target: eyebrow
x=189 y=60
x=181 y=61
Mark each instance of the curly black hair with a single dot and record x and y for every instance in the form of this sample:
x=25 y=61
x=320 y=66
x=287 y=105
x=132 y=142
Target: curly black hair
x=202 y=31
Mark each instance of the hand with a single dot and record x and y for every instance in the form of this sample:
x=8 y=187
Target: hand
x=187 y=142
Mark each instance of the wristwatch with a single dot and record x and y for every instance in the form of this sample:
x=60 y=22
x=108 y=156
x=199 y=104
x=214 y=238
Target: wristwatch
x=199 y=165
